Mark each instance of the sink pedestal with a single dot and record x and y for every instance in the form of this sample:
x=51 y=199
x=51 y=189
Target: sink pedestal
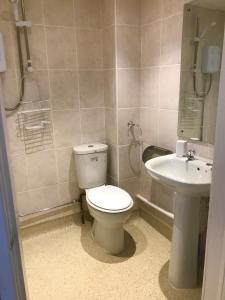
x=184 y=252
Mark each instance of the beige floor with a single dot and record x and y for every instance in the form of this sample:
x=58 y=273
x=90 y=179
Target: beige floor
x=62 y=262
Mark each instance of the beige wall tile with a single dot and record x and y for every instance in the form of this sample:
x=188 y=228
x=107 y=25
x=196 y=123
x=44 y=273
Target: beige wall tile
x=57 y=45
x=5 y=11
x=38 y=47
x=110 y=88
x=64 y=89
x=131 y=186
x=37 y=199
x=145 y=182
x=173 y=7
x=34 y=11
x=113 y=162
x=89 y=43
x=169 y=87
x=149 y=125
x=61 y=47
x=171 y=40
x=58 y=13
x=9 y=85
x=151 y=10
x=124 y=116
x=19 y=172
x=128 y=46
x=111 y=126
x=16 y=146
x=45 y=197
x=109 y=55
x=128 y=88
x=150 y=49
x=9 y=44
x=93 y=125
x=108 y=12
x=162 y=196
x=129 y=162
x=88 y=13
x=24 y=205
x=211 y=151
x=65 y=164
x=41 y=169
x=68 y=192
x=66 y=128
x=128 y=12
x=168 y=129
x=36 y=86
x=150 y=87
x=91 y=87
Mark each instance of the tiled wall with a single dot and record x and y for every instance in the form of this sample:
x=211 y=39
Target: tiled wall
x=101 y=63
x=161 y=34
x=67 y=53
x=109 y=59
x=122 y=88
x=128 y=59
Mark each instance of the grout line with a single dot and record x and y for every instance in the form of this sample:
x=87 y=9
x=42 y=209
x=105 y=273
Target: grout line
x=117 y=103
x=78 y=76
x=103 y=69
x=50 y=98
x=162 y=18
x=128 y=25
x=159 y=85
x=78 y=109
x=44 y=186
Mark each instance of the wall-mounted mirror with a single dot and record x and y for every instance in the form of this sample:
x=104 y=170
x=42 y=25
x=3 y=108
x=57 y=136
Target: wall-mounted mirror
x=202 y=45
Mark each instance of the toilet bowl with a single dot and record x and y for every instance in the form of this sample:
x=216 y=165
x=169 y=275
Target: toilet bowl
x=110 y=207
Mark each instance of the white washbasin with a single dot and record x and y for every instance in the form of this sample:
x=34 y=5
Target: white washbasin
x=192 y=177
x=191 y=180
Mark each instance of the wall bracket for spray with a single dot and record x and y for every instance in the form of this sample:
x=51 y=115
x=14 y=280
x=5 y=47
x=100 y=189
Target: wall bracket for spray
x=131 y=125
x=23 y=24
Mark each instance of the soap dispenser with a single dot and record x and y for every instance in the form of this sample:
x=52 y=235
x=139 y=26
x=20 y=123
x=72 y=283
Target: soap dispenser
x=181 y=148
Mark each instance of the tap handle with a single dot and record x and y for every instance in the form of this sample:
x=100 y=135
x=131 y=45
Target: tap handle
x=191 y=152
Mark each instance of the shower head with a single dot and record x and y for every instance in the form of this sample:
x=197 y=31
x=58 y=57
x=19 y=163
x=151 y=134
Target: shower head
x=213 y=24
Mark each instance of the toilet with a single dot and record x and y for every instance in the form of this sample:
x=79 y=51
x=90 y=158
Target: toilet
x=109 y=205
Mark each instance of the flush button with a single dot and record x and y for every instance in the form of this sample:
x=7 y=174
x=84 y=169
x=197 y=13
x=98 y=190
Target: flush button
x=90 y=146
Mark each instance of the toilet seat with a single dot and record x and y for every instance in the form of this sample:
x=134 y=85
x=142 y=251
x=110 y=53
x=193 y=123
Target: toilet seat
x=109 y=198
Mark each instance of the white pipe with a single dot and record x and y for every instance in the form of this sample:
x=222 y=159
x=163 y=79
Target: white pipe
x=163 y=211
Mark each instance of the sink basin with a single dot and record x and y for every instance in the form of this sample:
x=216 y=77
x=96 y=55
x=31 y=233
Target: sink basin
x=192 y=177
x=191 y=180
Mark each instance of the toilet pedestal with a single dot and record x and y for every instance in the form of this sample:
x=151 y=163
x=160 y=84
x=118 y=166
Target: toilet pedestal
x=109 y=238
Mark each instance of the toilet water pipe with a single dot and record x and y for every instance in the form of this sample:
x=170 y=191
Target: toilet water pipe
x=80 y=200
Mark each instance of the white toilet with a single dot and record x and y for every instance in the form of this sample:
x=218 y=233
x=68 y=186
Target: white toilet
x=109 y=205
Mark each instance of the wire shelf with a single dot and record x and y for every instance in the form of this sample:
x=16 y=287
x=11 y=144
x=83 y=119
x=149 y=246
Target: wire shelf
x=34 y=126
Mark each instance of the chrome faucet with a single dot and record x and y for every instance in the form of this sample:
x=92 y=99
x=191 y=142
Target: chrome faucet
x=190 y=155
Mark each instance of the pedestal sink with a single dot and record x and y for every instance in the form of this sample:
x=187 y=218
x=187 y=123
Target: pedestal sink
x=191 y=180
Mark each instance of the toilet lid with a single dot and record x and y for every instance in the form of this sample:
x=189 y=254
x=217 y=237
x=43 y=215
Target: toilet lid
x=109 y=197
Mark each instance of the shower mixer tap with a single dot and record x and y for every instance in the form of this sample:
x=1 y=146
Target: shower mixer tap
x=131 y=126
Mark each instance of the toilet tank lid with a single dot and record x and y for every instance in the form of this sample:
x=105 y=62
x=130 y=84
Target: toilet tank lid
x=90 y=148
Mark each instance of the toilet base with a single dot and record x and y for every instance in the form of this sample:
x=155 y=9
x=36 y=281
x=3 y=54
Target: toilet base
x=109 y=238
